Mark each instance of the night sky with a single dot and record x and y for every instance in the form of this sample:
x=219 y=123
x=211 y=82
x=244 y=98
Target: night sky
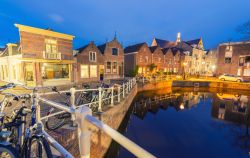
x=134 y=20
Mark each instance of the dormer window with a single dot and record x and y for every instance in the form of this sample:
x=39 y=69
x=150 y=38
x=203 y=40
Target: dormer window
x=229 y=48
x=92 y=56
x=114 y=51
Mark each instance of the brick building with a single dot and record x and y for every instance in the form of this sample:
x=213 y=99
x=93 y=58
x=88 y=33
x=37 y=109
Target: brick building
x=234 y=58
x=194 y=53
x=42 y=57
x=157 y=57
x=138 y=55
x=113 y=55
x=90 y=64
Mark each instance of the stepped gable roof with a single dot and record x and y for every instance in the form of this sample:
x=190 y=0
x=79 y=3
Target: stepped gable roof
x=134 y=48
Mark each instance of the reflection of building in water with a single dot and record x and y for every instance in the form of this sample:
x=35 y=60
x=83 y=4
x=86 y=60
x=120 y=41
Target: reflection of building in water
x=179 y=101
x=230 y=107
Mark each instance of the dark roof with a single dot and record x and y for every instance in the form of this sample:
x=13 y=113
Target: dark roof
x=175 y=50
x=165 y=50
x=162 y=43
x=134 y=48
x=196 y=41
x=2 y=49
x=153 y=48
x=102 y=48
x=82 y=48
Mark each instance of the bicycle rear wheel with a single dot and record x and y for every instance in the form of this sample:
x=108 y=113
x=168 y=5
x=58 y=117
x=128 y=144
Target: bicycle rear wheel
x=57 y=121
x=7 y=151
x=39 y=148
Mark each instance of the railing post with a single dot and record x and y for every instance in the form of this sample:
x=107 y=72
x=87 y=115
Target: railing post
x=143 y=79
x=127 y=88
x=131 y=83
x=83 y=132
x=119 y=95
x=99 y=99
x=112 y=96
x=123 y=90
x=72 y=102
x=38 y=109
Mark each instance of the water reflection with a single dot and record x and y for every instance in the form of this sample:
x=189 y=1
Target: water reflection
x=201 y=121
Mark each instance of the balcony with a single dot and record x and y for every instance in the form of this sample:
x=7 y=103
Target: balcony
x=47 y=55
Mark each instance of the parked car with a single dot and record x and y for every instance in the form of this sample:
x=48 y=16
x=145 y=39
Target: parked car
x=228 y=77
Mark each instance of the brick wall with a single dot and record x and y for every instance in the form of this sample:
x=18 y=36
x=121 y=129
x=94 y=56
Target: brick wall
x=33 y=45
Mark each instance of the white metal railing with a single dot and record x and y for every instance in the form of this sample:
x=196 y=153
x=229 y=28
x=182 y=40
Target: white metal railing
x=47 y=55
x=82 y=115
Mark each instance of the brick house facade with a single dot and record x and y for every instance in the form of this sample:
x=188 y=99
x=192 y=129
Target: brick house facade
x=90 y=64
x=113 y=54
x=234 y=58
x=157 y=57
x=43 y=58
x=138 y=55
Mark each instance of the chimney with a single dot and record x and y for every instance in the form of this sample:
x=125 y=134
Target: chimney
x=178 y=40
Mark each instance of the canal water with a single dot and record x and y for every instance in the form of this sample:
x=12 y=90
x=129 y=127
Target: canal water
x=190 y=123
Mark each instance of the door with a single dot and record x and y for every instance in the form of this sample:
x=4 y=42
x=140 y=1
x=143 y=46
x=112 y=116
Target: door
x=29 y=75
x=101 y=72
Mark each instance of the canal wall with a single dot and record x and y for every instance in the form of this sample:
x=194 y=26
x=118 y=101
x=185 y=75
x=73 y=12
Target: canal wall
x=195 y=84
x=212 y=84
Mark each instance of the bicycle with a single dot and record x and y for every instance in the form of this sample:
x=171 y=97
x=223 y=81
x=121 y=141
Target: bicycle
x=27 y=142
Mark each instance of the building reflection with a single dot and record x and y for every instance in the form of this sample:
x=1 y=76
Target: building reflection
x=155 y=102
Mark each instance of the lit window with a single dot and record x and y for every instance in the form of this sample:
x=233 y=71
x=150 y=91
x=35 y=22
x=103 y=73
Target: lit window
x=114 y=69
x=84 y=71
x=93 y=71
x=92 y=56
x=54 y=71
x=51 y=46
x=159 y=60
x=114 y=51
x=140 y=70
x=108 y=68
x=246 y=72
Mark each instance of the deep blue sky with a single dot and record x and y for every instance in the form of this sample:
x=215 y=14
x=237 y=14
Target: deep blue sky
x=133 y=20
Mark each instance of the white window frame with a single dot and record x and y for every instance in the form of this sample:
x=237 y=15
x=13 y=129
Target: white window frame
x=107 y=67
x=92 y=56
x=117 y=51
x=114 y=63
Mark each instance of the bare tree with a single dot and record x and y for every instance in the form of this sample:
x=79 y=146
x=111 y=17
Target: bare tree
x=244 y=30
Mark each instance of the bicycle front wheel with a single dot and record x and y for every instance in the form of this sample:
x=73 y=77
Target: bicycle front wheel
x=7 y=151
x=39 y=148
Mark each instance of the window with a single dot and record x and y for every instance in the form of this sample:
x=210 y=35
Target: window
x=228 y=60
x=140 y=59
x=114 y=69
x=159 y=60
x=246 y=72
x=93 y=71
x=241 y=61
x=108 y=68
x=175 y=70
x=114 y=51
x=146 y=59
x=84 y=71
x=50 y=46
x=92 y=56
x=140 y=70
x=55 y=71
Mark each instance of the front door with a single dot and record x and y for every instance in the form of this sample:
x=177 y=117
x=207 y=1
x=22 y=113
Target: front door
x=101 y=72
x=29 y=75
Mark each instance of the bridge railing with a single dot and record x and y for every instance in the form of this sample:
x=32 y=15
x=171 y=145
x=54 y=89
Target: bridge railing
x=83 y=118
